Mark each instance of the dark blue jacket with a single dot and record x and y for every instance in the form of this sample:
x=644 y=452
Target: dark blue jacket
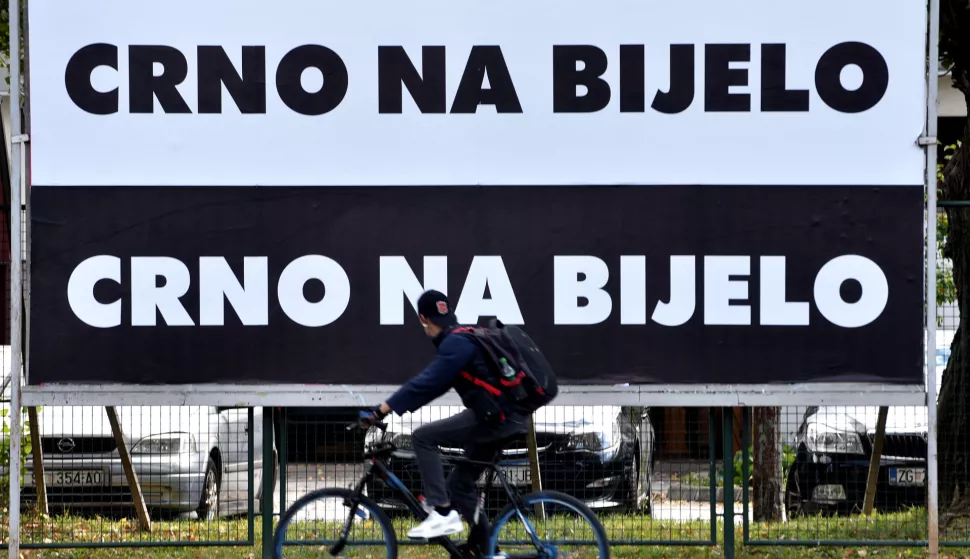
x=455 y=354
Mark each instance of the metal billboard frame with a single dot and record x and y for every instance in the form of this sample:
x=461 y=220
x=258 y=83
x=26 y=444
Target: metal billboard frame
x=706 y=395
x=577 y=395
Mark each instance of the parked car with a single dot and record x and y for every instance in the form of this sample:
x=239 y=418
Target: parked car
x=832 y=460
x=190 y=459
x=833 y=450
x=599 y=454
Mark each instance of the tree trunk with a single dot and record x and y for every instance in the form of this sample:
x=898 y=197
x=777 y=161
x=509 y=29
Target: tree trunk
x=953 y=421
x=767 y=472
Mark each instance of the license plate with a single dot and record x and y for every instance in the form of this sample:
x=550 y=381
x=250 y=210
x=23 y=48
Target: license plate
x=907 y=477
x=73 y=478
x=516 y=475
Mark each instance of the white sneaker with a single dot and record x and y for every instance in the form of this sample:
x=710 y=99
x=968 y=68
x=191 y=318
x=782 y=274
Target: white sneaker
x=436 y=526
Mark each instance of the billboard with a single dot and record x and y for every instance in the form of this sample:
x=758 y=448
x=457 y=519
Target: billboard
x=720 y=193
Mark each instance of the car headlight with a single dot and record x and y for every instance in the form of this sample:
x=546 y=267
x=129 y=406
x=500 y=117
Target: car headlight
x=824 y=439
x=586 y=441
x=169 y=443
x=593 y=441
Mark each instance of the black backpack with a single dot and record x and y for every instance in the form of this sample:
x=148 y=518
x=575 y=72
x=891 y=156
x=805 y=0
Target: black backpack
x=517 y=370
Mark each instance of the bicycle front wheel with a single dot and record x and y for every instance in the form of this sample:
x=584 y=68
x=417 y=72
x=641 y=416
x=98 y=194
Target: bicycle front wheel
x=312 y=527
x=563 y=526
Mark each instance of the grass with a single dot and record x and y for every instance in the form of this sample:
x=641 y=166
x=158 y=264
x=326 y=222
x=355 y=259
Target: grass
x=910 y=525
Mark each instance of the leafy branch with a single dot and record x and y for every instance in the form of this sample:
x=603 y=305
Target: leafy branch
x=25 y=449
x=945 y=287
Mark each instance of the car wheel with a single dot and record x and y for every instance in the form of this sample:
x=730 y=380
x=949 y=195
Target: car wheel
x=209 y=502
x=630 y=493
x=646 y=486
x=794 y=502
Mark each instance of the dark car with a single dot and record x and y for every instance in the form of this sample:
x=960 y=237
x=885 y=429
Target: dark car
x=600 y=454
x=833 y=449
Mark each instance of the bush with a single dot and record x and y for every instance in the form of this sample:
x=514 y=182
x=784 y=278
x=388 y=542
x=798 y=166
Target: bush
x=5 y=452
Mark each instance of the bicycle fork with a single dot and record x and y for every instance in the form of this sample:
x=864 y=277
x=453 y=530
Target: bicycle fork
x=354 y=503
x=519 y=505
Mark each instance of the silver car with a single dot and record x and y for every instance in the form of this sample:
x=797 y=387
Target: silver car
x=188 y=459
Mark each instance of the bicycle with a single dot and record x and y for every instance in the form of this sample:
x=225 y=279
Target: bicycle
x=518 y=507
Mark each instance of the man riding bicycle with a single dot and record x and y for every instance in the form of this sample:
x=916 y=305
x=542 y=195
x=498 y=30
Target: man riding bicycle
x=478 y=430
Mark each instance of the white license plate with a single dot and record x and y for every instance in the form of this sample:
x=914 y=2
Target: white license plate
x=907 y=477
x=516 y=475
x=74 y=478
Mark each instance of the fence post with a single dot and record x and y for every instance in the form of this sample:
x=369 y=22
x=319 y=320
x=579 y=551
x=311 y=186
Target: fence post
x=728 y=468
x=266 y=504
x=712 y=445
x=745 y=473
x=251 y=478
x=281 y=454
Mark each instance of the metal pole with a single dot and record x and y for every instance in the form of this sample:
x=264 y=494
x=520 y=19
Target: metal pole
x=16 y=282
x=266 y=507
x=712 y=445
x=251 y=478
x=281 y=447
x=933 y=496
x=728 y=467
x=745 y=472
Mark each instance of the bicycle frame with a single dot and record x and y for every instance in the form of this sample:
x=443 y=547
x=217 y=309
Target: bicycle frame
x=375 y=467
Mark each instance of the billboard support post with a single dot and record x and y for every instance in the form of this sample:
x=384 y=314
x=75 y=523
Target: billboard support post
x=929 y=143
x=17 y=139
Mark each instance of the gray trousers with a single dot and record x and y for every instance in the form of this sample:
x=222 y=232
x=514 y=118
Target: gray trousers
x=479 y=443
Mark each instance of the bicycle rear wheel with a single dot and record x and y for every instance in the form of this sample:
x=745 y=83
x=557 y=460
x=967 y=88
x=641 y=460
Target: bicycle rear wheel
x=311 y=527
x=569 y=529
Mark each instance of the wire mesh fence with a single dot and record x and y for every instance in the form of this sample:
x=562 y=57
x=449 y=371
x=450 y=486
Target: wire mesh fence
x=608 y=457
x=649 y=482
x=953 y=341
x=826 y=493
x=146 y=475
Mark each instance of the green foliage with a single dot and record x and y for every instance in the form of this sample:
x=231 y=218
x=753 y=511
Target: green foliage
x=787 y=459
x=4 y=30
x=25 y=450
x=945 y=288
x=5 y=39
